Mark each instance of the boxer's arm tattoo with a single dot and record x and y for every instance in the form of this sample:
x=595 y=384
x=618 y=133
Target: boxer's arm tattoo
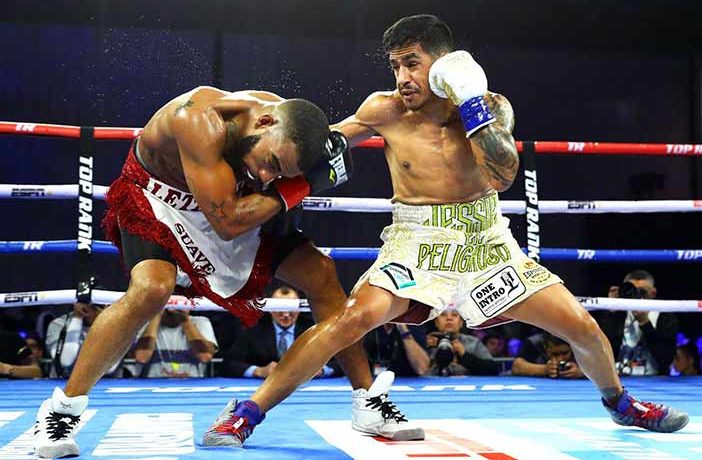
x=214 y=211
x=183 y=106
x=499 y=158
x=244 y=211
x=236 y=215
x=501 y=109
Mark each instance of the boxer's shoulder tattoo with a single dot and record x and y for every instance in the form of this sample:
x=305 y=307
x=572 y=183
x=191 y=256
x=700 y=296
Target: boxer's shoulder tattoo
x=183 y=106
x=500 y=158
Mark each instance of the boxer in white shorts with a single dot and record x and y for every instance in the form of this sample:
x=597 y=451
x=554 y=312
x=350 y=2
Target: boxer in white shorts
x=459 y=255
x=449 y=148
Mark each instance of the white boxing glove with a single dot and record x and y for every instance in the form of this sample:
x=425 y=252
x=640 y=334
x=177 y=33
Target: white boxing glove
x=458 y=77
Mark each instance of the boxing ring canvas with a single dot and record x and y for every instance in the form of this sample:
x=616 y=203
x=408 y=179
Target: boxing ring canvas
x=480 y=418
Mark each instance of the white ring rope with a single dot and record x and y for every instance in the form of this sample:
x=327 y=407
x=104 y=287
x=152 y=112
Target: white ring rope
x=101 y=297
x=68 y=296
x=56 y=192
x=47 y=192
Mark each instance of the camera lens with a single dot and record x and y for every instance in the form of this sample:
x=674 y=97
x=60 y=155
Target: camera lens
x=444 y=352
x=627 y=290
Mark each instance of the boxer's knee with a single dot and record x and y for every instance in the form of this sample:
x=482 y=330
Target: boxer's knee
x=584 y=331
x=150 y=293
x=352 y=325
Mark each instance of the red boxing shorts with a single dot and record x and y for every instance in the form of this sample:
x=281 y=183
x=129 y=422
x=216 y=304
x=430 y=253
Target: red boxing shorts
x=232 y=274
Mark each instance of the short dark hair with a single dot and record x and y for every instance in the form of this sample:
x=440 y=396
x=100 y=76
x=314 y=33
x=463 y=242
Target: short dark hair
x=429 y=31
x=640 y=275
x=553 y=340
x=308 y=128
x=285 y=290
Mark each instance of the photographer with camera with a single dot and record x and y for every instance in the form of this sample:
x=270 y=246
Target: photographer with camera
x=455 y=353
x=65 y=336
x=176 y=345
x=643 y=342
x=545 y=355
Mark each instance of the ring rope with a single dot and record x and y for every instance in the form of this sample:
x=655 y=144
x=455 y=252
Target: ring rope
x=361 y=253
x=103 y=297
x=557 y=147
x=553 y=147
x=376 y=205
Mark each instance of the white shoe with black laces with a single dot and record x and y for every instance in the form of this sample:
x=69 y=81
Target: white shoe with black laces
x=56 y=424
x=373 y=413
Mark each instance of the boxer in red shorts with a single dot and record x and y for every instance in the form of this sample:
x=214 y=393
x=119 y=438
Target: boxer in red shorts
x=202 y=203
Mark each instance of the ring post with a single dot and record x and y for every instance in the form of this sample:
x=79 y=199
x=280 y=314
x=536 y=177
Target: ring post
x=85 y=214
x=531 y=191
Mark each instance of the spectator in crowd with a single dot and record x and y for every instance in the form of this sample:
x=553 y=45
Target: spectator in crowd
x=495 y=344
x=687 y=360
x=545 y=355
x=643 y=342
x=36 y=345
x=175 y=344
x=257 y=351
x=16 y=359
x=66 y=334
x=453 y=352
x=398 y=348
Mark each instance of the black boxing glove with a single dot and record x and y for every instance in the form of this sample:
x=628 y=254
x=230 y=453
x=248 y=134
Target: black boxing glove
x=335 y=168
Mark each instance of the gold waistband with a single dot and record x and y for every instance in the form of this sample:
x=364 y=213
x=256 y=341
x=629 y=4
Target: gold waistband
x=469 y=217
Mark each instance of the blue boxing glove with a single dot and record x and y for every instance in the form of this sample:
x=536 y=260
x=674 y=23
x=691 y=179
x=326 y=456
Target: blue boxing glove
x=458 y=77
x=335 y=168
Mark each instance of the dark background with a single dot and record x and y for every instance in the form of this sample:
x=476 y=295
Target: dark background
x=573 y=70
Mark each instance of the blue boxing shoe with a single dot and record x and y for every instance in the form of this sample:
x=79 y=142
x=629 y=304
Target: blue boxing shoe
x=234 y=424
x=629 y=411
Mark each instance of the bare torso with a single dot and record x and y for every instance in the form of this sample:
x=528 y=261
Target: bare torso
x=219 y=123
x=430 y=160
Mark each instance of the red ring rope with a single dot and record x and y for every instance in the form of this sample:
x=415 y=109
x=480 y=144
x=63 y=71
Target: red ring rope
x=553 y=147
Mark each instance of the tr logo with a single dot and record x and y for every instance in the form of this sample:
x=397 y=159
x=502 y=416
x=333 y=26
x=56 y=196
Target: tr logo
x=25 y=127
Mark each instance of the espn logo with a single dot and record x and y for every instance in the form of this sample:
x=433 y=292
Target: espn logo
x=572 y=205
x=313 y=202
x=21 y=297
x=27 y=192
